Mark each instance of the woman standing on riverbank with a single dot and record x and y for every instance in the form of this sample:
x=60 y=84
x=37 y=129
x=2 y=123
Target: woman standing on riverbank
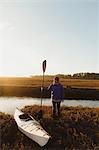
x=57 y=91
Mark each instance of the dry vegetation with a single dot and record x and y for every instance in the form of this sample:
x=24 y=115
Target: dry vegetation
x=76 y=129
x=73 y=88
x=36 y=81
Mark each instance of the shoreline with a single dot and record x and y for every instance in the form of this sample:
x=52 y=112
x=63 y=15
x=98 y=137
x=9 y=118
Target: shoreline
x=77 y=128
x=69 y=92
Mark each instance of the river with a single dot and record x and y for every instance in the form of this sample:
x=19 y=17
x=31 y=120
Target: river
x=8 y=104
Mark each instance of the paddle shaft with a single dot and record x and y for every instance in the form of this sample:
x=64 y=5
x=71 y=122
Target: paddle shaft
x=44 y=68
x=42 y=89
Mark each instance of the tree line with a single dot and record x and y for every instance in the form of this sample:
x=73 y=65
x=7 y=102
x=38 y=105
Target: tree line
x=81 y=76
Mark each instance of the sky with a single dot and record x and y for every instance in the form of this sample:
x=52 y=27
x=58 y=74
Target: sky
x=63 y=32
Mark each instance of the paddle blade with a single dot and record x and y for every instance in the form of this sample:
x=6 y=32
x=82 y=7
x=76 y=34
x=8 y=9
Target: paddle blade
x=44 y=65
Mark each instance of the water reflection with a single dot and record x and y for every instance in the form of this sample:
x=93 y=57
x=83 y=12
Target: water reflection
x=8 y=104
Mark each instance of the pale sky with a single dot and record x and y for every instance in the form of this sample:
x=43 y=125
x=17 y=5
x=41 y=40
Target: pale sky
x=64 y=32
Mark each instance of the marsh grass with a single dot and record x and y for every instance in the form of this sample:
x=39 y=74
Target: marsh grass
x=77 y=128
x=31 y=87
x=36 y=81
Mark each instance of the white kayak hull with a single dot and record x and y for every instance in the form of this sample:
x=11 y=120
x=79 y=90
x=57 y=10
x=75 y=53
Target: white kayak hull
x=31 y=128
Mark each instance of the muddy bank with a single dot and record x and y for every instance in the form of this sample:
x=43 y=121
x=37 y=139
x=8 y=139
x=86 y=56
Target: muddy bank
x=77 y=128
x=35 y=92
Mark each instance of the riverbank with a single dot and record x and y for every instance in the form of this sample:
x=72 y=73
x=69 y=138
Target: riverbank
x=35 y=92
x=77 y=128
x=30 y=87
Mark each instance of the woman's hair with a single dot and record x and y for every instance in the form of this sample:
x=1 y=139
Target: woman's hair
x=56 y=78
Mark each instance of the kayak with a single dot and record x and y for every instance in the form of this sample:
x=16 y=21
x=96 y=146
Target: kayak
x=31 y=128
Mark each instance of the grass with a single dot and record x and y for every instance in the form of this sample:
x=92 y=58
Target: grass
x=77 y=128
x=36 y=81
x=73 y=88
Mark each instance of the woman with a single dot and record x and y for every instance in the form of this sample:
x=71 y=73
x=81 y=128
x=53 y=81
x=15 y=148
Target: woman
x=56 y=89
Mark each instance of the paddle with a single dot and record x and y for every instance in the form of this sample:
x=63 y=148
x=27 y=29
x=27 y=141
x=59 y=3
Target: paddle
x=43 y=68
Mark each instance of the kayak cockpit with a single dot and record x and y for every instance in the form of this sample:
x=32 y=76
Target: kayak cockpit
x=25 y=117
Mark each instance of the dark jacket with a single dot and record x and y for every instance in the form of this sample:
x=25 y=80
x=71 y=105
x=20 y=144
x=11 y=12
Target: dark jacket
x=57 y=92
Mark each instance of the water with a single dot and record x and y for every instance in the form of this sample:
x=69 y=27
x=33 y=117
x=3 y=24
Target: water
x=8 y=104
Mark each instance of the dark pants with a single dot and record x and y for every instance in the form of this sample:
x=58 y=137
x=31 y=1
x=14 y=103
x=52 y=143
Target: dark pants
x=56 y=108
